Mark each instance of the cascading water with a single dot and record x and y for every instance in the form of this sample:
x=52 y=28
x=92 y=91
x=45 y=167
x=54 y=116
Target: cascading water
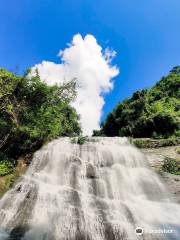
x=101 y=190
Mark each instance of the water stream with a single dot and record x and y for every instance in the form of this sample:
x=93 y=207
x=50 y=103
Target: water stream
x=101 y=190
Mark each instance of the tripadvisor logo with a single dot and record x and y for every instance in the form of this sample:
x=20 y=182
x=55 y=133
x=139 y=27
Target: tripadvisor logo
x=139 y=231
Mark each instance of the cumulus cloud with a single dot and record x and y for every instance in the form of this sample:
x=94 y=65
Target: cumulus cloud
x=85 y=60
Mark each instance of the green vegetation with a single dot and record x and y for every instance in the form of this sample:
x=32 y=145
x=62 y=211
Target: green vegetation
x=32 y=113
x=6 y=165
x=5 y=168
x=79 y=140
x=7 y=182
x=172 y=166
x=149 y=113
x=178 y=150
x=154 y=143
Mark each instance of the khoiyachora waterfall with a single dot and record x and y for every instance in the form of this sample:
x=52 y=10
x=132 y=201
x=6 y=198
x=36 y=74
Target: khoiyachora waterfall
x=101 y=190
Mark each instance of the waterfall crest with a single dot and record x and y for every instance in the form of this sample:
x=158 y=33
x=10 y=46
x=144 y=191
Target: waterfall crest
x=101 y=190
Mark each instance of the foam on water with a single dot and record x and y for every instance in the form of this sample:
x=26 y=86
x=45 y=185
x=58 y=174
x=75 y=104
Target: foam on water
x=101 y=190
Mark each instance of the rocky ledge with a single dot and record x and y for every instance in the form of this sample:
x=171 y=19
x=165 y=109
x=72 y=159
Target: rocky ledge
x=157 y=157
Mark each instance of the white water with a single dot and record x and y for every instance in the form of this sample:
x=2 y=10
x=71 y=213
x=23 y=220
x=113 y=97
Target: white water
x=101 y=190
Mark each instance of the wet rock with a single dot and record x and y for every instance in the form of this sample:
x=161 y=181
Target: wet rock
x=18 y=232
x=91 y=172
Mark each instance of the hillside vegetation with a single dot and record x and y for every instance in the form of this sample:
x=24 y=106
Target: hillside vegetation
x=153 y=112
x=32 y=113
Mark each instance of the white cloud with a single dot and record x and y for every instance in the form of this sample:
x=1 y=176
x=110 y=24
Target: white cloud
x=83 y=59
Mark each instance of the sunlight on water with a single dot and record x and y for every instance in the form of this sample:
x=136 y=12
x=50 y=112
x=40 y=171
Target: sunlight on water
x=102 y=190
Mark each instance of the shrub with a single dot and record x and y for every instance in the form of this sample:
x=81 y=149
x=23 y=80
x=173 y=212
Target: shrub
x=6 y=165
x=171 y=165
x=79 y=140
x=5 y=168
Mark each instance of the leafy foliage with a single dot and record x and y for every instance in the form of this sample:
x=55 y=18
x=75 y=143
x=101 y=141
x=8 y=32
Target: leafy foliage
x=32 y=113
x=79 y=140
x=171 y=165
x=5 y=168
x=151 y=112
x=154 y=143
x=6 y=165
x=178 y=150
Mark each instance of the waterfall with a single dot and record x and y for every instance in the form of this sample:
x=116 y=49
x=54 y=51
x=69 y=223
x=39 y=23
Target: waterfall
x=101 y=190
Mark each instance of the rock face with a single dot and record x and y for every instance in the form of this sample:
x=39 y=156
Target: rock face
x=101 y=190
x=156 y=157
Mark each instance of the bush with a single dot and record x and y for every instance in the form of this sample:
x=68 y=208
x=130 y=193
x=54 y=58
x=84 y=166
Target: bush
x=172 y=166
x=79 y=140
x=154 y=143
x=6 y=165
x=5 y=168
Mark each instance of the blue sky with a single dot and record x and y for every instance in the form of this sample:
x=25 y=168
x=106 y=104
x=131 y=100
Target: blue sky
x=145 y=35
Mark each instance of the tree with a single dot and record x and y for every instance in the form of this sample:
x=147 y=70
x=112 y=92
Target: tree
x=31 y=113
x=155 y=111
x=176 y=70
